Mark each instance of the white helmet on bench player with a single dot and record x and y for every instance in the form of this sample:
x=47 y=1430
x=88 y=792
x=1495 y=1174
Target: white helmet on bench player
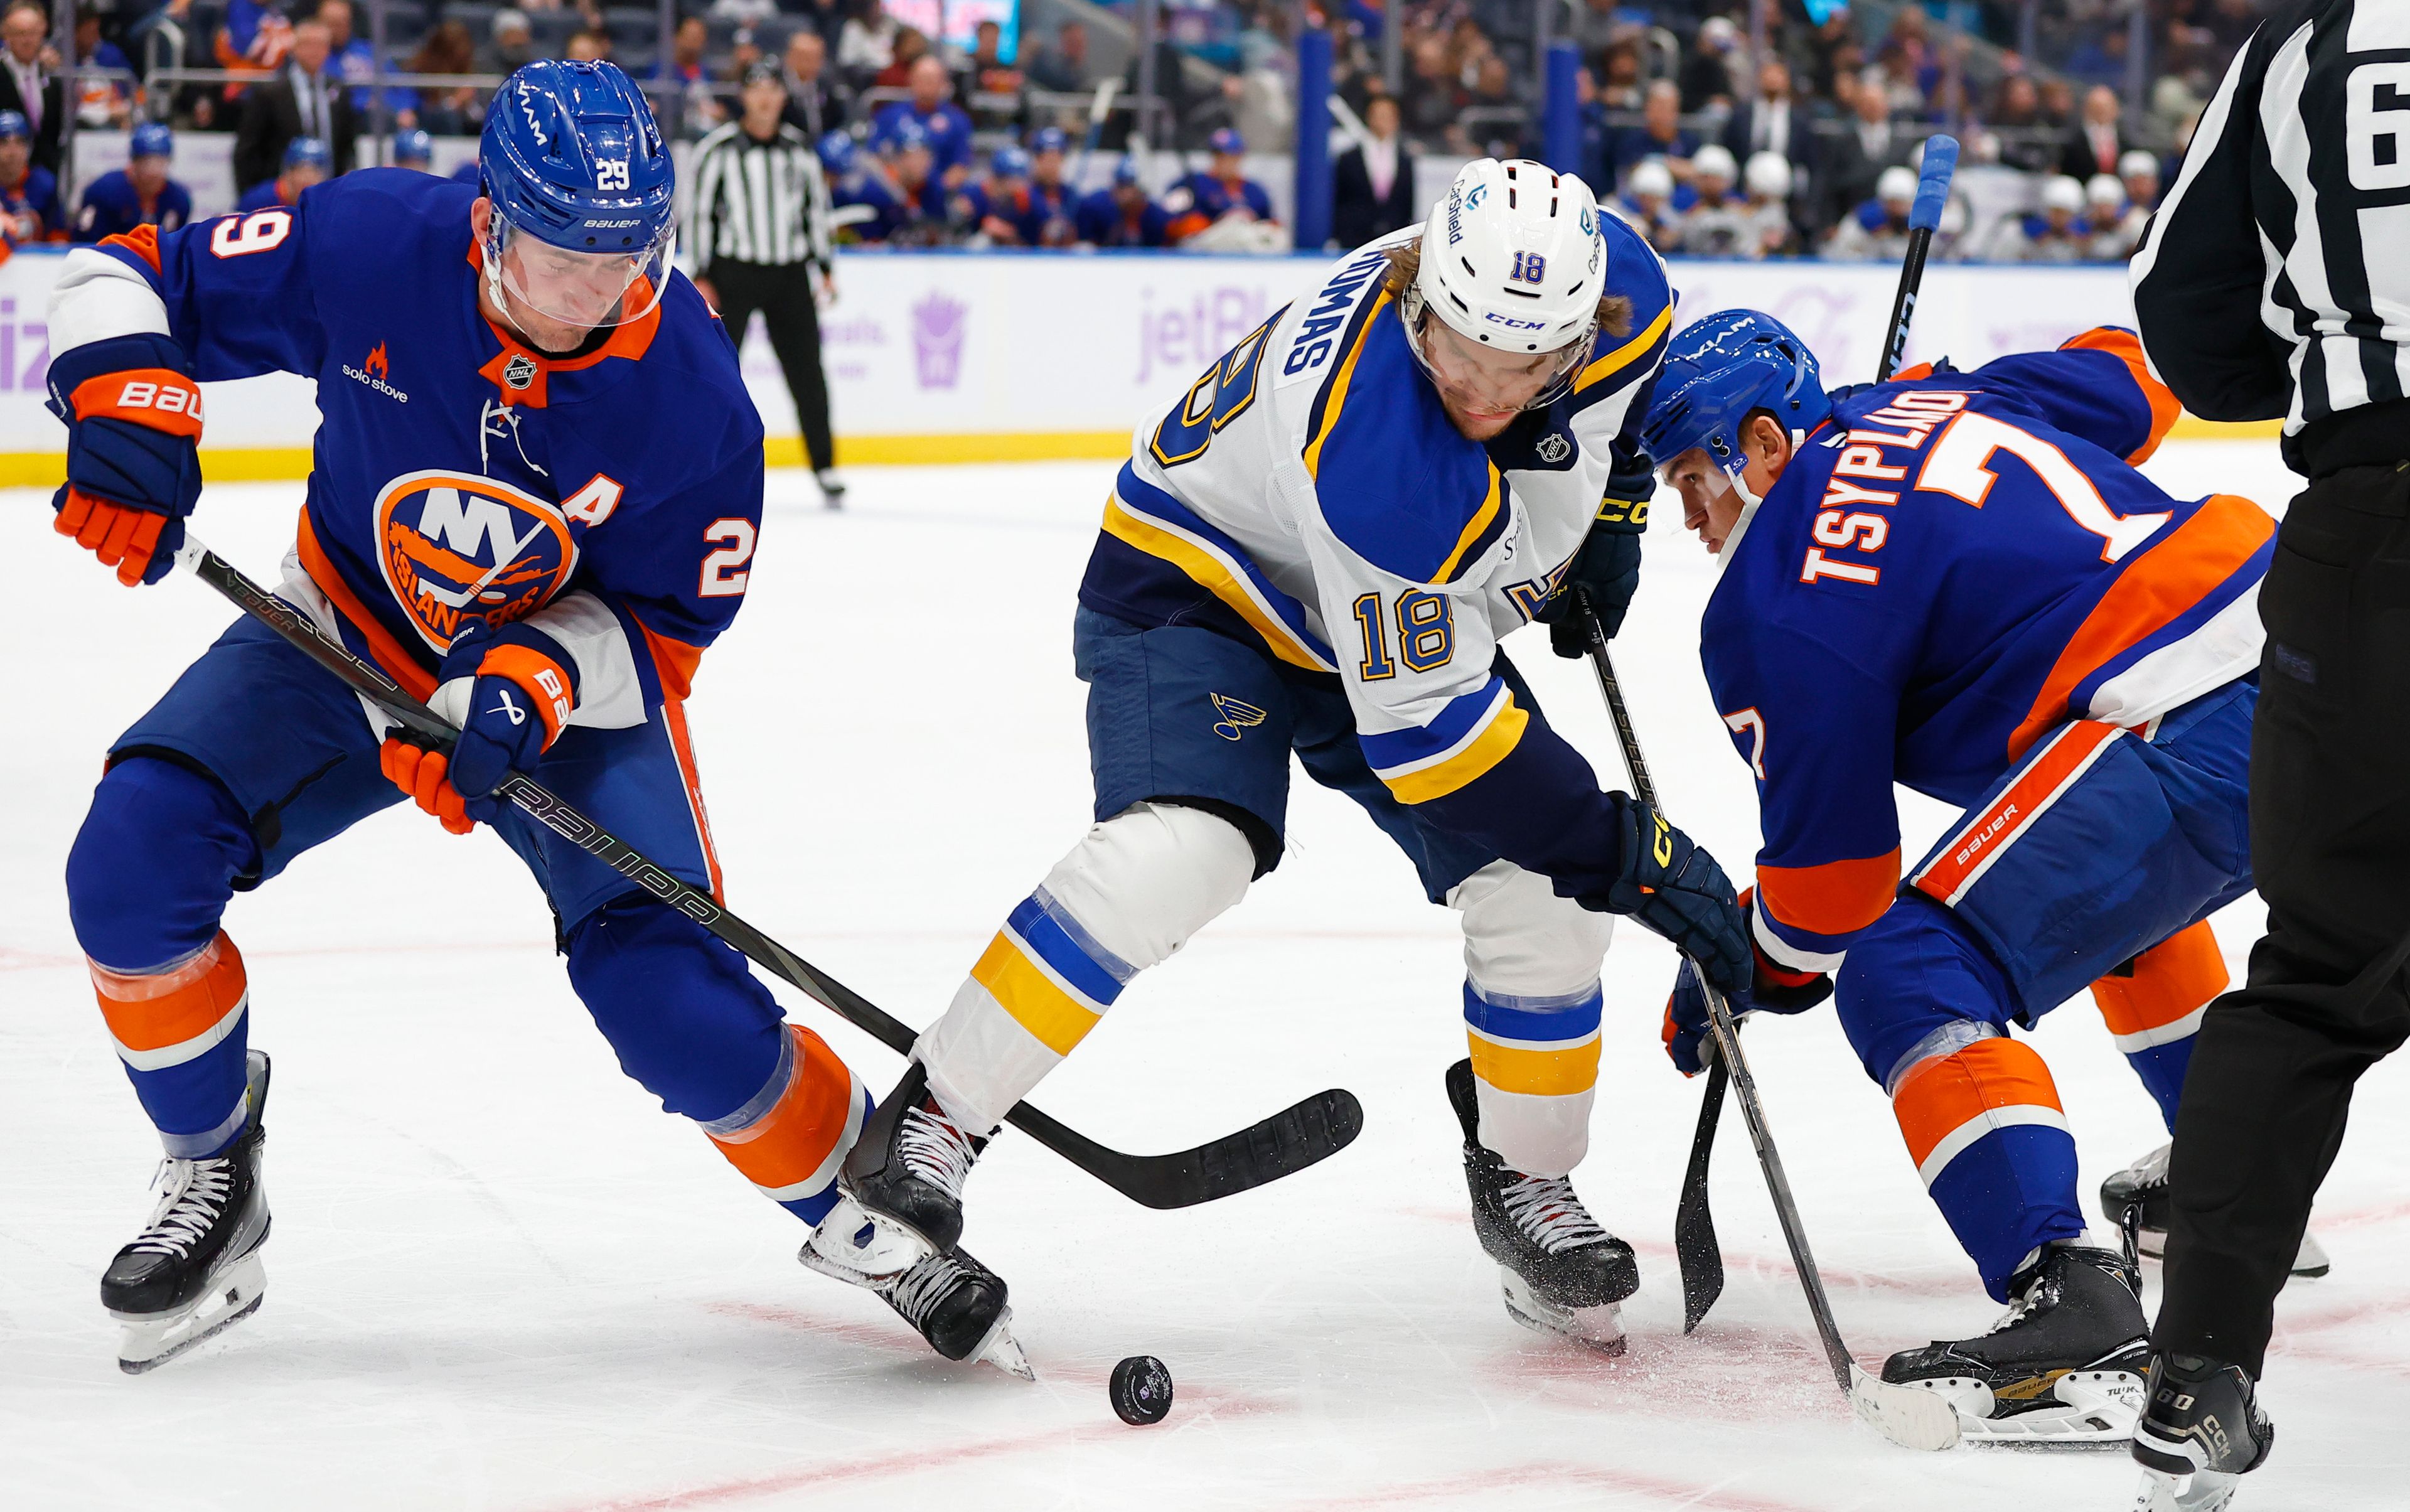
x=1513 y=259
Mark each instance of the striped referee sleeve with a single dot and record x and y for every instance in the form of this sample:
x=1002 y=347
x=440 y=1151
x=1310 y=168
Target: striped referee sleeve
x=2200 y=263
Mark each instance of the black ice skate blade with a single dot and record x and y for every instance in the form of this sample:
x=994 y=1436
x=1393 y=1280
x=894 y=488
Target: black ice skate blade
x=143 y=1367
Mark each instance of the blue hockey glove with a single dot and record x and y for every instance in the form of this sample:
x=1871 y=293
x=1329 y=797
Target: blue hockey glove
x=1773 y=988
x=1608 y=569
x=1676 y=888
x=134 y=466
x=510 y=690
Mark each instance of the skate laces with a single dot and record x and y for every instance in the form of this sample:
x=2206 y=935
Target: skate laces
x=1546 y=1208
x=195 y=1196
x=938 y=1149
x=917 y=1292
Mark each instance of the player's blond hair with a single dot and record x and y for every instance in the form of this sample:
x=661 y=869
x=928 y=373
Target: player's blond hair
x=1406 y=261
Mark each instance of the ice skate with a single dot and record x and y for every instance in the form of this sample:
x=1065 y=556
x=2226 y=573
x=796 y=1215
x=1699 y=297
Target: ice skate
x=956 y=1304
x=2202 y=1432
x=2142 y=1188
x=2064 y=1366
x=832 y=487
x=1561 y=1273
x=195 y=1270
x=902 y=1186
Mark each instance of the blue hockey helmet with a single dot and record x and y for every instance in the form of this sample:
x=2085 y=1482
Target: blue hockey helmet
x=572 y=159
x=1125 y=171
x=1008 y=162
x=1227 y=140
x=414 y=147
x=1720 y=370
x=1049 y=140
x=837 y=151
x=308 y=153
x=151 y=139
x=902 y=134
x=13 y=124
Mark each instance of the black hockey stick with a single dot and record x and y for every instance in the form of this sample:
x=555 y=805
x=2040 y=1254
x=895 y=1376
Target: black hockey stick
x=1281 y=1146
x=1904 y=1415
x=1694 y=1223
x=1694 y=1226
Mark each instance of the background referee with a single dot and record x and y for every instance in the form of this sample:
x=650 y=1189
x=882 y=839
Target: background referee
x=2267 y=286
x=762 y=242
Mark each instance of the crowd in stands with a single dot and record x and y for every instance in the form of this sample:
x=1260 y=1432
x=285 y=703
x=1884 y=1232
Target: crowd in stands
x=1719 y=129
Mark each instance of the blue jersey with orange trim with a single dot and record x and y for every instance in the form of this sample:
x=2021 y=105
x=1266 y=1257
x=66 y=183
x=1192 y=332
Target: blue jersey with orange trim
x=1949 y=569
x=112 y=207
x=611 y=496
x=1309 y=496
x=1200 y=200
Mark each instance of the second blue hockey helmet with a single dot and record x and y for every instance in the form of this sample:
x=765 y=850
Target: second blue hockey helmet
x=308 y=153
x=1008 y=162
x=414 y=148
x=1720 y=370
x=836 y=149
x=572 y=158
x=13 y=125
x=151 y=139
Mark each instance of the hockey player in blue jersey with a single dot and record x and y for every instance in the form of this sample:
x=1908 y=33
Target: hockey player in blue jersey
x=1960 y=583
x=307 y=162
x=1124 y=214
x=138 y=194
x=537 y=492
x=29 y=194
x=863 y=205
x=1314 y=555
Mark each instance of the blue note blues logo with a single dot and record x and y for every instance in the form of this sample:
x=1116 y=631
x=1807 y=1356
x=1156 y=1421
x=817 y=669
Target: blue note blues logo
x=1236 y=717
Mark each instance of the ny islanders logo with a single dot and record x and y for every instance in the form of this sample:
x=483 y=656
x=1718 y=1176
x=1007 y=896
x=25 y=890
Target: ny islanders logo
x=455 y=547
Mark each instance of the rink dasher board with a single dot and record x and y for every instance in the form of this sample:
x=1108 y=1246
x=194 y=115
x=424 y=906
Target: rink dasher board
x=992 y=357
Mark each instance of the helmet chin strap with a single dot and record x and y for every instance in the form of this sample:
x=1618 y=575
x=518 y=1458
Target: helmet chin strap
x=1738 y=480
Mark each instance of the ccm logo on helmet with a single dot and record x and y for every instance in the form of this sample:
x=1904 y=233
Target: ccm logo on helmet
x=1512 y=324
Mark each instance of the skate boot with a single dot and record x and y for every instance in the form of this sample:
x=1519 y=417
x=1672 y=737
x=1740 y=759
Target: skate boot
x=902 y=1184
x=195 y=1270
x=2142 y=1189
x=832 y=487
x=1561 y=1273
x=2203 y=1430
x=2064 y=1366
x=955 y=1302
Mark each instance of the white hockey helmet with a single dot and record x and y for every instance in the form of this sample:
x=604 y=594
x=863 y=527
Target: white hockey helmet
x=1896 y=185
x=2105 y=191
x=1514 y=259
x=1650 y=180
x=1714 y=162
x=1769 y=175
x=2062 y=193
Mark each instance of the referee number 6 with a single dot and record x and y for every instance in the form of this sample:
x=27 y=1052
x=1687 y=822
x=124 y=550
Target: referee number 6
x=258 y=231
x=2376 y=126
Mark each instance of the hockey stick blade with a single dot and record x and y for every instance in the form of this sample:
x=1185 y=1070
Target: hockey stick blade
x=1281 y=1146
x=1911 y=1419
x=1701 y=1258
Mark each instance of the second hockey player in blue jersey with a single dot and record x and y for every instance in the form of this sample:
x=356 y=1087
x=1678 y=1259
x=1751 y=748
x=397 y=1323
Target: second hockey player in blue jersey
x=1961 y=584
x=536 y=494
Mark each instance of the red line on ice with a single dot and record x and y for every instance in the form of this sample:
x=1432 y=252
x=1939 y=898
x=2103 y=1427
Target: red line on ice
x=1489 y=1482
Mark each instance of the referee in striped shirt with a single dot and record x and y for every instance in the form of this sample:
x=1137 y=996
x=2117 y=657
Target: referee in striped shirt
x=762 y=242
x=2276 y=282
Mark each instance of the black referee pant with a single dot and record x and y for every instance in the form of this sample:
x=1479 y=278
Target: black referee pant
x=2272 y=1071
x=783 y=294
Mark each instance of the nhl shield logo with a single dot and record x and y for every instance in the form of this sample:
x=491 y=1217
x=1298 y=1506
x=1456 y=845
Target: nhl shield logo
x=1554 y=448
x=456 y=548
x=519 y=370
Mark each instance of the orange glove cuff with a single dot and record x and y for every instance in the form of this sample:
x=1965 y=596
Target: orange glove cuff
x=159 y=397
x=545 y=682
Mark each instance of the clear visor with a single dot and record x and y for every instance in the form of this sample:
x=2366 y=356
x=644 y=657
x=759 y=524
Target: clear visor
x=593 y=290
x=1483 y=379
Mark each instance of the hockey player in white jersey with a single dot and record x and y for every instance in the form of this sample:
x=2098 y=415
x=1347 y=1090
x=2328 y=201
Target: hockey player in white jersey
x=1317 y=551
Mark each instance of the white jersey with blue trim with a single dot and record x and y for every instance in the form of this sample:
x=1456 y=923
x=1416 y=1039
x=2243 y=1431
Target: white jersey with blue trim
x=1310 y=494
x=1348 y=524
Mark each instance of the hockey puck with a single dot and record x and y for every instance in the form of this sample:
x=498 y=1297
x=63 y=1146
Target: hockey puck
x=1142 y=1391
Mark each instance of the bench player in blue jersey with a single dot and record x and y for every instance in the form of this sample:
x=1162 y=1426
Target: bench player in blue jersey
x=1312 y=558
x=138 y=194
x=537 y=491
x=1960 y=583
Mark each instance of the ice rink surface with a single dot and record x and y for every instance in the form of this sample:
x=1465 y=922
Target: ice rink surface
x=503 y=1278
